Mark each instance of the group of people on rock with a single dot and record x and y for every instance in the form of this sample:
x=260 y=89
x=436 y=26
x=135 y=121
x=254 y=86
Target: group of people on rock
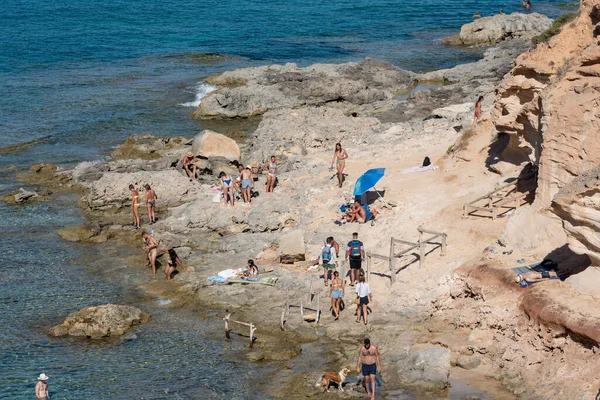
x=526 y=4
x=153 y=252
x=355 y=256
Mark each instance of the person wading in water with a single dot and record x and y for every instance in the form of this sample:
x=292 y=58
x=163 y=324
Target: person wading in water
x=368 y=363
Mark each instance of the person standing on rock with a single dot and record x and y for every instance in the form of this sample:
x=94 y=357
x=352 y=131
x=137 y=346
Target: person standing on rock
x=337 y=294
x=368 y=363
x=189 y=164
x=227 y=188
x=355 y=253
x=477 y=115
x=340 y=155
x=237 y=184
x=363 y=292
x=135 y=206
x=271 y=167
x=328 y=259
x=151 y=246
x=41 y=388
x=246 y=177
x=151 y=198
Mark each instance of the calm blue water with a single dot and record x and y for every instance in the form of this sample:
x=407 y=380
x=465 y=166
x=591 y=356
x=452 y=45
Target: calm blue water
x=86 y=74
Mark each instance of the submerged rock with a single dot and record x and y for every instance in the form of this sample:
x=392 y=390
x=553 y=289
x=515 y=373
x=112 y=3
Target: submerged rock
x=101 y=321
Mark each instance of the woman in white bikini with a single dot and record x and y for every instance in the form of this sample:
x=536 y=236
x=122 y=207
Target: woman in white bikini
x=340 y=155
x=337 y=293
x=227 y=188
x=271 y=167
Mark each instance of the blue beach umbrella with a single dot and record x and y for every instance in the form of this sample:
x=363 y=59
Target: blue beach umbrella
x=368 y=180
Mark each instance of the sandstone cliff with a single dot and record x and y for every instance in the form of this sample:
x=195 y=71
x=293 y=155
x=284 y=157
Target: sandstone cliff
x=547 y=104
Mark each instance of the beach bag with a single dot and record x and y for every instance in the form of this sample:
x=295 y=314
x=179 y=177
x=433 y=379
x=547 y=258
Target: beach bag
x=357 y=300
x=426 y=162
x=342 y=305
x=549 y=264
x=355 y=246
x=326 y=254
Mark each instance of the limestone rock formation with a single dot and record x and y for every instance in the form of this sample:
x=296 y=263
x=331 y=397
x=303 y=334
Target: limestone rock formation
x=110 y=190
x=428 y=369
x=548 y=104
x=211 y=144
x=253 y=91
x=490 y=30
x=291 y=247
x=99 y=322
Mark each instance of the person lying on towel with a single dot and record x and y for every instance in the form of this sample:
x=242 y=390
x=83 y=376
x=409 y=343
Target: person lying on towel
x=534 y=276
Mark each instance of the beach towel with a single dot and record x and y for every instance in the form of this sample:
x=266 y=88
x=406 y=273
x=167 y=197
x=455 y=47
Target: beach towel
x=430 y=167
x=229 y=273
x=217 y=279
x=217 y=198
x=263 y=280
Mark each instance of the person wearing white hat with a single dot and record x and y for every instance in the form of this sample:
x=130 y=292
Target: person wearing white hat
x=41 y=388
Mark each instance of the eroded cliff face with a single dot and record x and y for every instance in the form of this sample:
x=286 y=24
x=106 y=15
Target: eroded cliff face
x=548 y=104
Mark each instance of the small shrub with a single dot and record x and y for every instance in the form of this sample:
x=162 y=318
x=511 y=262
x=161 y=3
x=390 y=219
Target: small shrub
x=554 y=28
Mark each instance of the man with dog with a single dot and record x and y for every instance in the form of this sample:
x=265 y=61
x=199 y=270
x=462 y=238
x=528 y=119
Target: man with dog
x=368 y=363
x=355 y=252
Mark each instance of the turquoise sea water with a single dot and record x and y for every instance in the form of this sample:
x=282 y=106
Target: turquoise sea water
x=82 y=76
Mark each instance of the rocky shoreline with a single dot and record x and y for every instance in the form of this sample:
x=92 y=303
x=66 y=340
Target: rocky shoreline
x=461 y=315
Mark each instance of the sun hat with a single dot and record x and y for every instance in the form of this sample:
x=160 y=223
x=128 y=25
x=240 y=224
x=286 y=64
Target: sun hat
x=249 y=166
x=190 y=154
x=43 y=377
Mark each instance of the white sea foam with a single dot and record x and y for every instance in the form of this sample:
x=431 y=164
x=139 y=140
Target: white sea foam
x=202 y=89
x=164 y=302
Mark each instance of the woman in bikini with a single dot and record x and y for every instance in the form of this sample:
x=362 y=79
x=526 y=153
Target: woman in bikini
x=227 y=188
x=341 y=155
x=172 y=262
x=151 y=198
x=271 y=167
x=135 y=206
x=337 y=293
x=477 y=115
x=151 y=246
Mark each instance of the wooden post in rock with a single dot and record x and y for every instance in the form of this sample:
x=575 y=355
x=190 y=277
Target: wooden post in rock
x=391 y=262
x=252 y=329
x=421 y=248
x=318 y=308
x=444 y=244
x=301 y=309
x=227 y=326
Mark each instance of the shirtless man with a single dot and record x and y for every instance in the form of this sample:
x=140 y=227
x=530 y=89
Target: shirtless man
x=237 y=184
x=356 y=213
x=246 y=177
x=151 y=246
x=189 y=164
x=368 y=363
x=535 y=276
x=41 y=388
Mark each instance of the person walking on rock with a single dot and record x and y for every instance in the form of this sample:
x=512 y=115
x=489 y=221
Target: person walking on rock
x=363 y=292
x=41 y=388
x=368 y=363
x=337 y=294
x=328 y=259
x=355 y=253
x=340 y=155
x=151 y=246
x=135 y=206
x=271 y=167
x=151 y=198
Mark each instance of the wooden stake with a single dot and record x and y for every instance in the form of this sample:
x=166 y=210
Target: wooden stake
x=318 y=307
x=252 y=329
x=227 y=326
x=444 y=244
x=391 y=262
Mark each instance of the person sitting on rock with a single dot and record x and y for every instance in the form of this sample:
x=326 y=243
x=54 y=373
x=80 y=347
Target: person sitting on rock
x=501 y=12
x=227 y=188
x=528 y=5
x=189 y=164
x=356 y=213
x=252 y=269
x=172 y=262
x=477 y=115
x=476 y=15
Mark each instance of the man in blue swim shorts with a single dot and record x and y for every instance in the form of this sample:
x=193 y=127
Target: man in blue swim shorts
x=368 y=359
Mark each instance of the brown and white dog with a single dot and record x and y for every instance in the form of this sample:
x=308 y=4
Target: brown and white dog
x=337 y=377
